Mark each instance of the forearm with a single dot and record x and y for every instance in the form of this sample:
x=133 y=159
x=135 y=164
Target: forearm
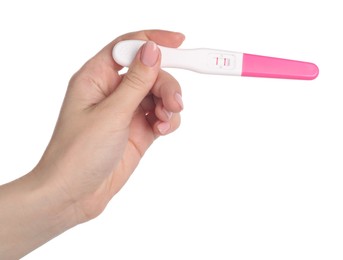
x=31 y=215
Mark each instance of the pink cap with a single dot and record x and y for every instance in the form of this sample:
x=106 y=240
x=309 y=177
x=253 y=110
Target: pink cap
x=269 y=67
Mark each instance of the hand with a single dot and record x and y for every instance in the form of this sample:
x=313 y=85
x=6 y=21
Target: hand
x=108 y=121
x=106 y=124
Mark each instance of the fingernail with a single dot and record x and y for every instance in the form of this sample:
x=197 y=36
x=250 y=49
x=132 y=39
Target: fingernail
x=178 y=99
x=168 y=113
x=149 y=54
x=163 y=127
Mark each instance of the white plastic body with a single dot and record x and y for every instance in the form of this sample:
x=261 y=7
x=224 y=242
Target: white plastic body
x=207 y=61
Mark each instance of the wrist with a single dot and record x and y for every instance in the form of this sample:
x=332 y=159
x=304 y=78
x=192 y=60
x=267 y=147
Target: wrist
x=51 y=201
x=34 y=213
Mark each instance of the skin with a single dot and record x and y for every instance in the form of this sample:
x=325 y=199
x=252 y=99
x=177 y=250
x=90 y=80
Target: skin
x=106 y=124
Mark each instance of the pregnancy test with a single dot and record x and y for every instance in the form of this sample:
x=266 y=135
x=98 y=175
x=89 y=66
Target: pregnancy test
x=220 y=62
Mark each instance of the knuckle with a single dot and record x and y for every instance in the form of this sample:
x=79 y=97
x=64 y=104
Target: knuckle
x=135 y=81
x=175 y=122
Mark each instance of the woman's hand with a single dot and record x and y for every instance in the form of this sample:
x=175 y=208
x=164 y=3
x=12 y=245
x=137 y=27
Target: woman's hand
x=109 y=120
x=106 y=124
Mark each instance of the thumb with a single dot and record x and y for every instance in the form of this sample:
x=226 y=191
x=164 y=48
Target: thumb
x=139 y=79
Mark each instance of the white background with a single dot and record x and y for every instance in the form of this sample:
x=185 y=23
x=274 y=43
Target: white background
x=255 y=170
